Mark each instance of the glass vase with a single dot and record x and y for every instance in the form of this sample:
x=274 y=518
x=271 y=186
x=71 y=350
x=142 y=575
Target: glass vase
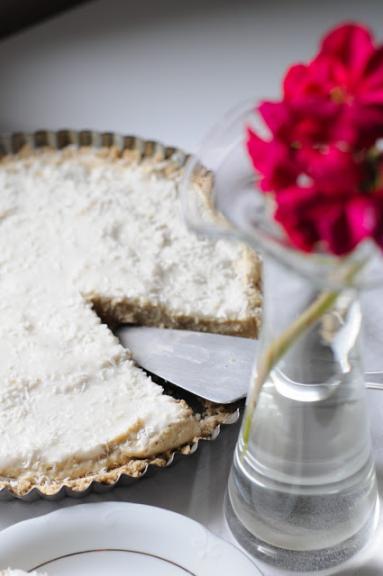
x=302 y=492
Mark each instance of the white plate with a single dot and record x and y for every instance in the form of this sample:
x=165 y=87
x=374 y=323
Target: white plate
x=115 y=539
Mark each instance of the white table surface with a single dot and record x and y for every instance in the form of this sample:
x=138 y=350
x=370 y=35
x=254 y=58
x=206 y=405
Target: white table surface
x=167 y=69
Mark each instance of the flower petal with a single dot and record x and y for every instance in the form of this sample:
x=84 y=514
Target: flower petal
x=258 y=150
x=276 y=116
x=295 y=77
x=291 y=212
x=343 y=224
x=362 y=218
x=372 y=86
x=334 y=171
x=361 y=125
x=273 y=160
x=351 y=44
x=334 y=229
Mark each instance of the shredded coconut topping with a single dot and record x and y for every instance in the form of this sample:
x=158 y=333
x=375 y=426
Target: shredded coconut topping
x=73 y=226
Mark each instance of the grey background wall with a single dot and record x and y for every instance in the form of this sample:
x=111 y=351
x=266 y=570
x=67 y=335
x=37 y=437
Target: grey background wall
x=18 y=14
x=164 y=69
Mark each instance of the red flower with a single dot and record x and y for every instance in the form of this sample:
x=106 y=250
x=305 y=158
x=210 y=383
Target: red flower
x=338 y=96
x=330 y=210
x=303 y=122
x=334 y=172
x=337 y=225
x=273 y=160
x=321 y=161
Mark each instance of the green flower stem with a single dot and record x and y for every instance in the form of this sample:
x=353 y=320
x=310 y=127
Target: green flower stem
x=281 y=345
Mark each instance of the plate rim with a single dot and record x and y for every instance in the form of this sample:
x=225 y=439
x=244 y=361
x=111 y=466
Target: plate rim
x=16 y=537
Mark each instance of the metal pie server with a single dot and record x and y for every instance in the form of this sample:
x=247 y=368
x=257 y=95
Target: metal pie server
x=214 y=367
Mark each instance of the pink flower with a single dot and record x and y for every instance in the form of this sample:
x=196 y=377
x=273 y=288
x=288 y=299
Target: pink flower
x=334 y=172
x=335 y=225
x=330 y=211
x=273 y=160
x=338 y=96
x=321 y=162
x=301 y=123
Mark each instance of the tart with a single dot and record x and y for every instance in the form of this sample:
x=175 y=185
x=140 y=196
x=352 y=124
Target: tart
x=92 y=238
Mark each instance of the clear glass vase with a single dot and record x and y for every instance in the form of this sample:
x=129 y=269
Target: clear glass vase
x=302 y=492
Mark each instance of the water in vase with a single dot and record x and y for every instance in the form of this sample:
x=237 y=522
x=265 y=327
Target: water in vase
x=302 y=492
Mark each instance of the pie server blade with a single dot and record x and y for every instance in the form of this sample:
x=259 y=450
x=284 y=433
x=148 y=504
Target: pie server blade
x=212 y=366
x=216 y=368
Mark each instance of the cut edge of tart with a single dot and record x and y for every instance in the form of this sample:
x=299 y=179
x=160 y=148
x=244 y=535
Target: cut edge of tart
x=124 y=454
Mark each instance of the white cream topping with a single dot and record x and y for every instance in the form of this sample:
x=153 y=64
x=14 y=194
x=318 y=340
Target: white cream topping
x=70 y=229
